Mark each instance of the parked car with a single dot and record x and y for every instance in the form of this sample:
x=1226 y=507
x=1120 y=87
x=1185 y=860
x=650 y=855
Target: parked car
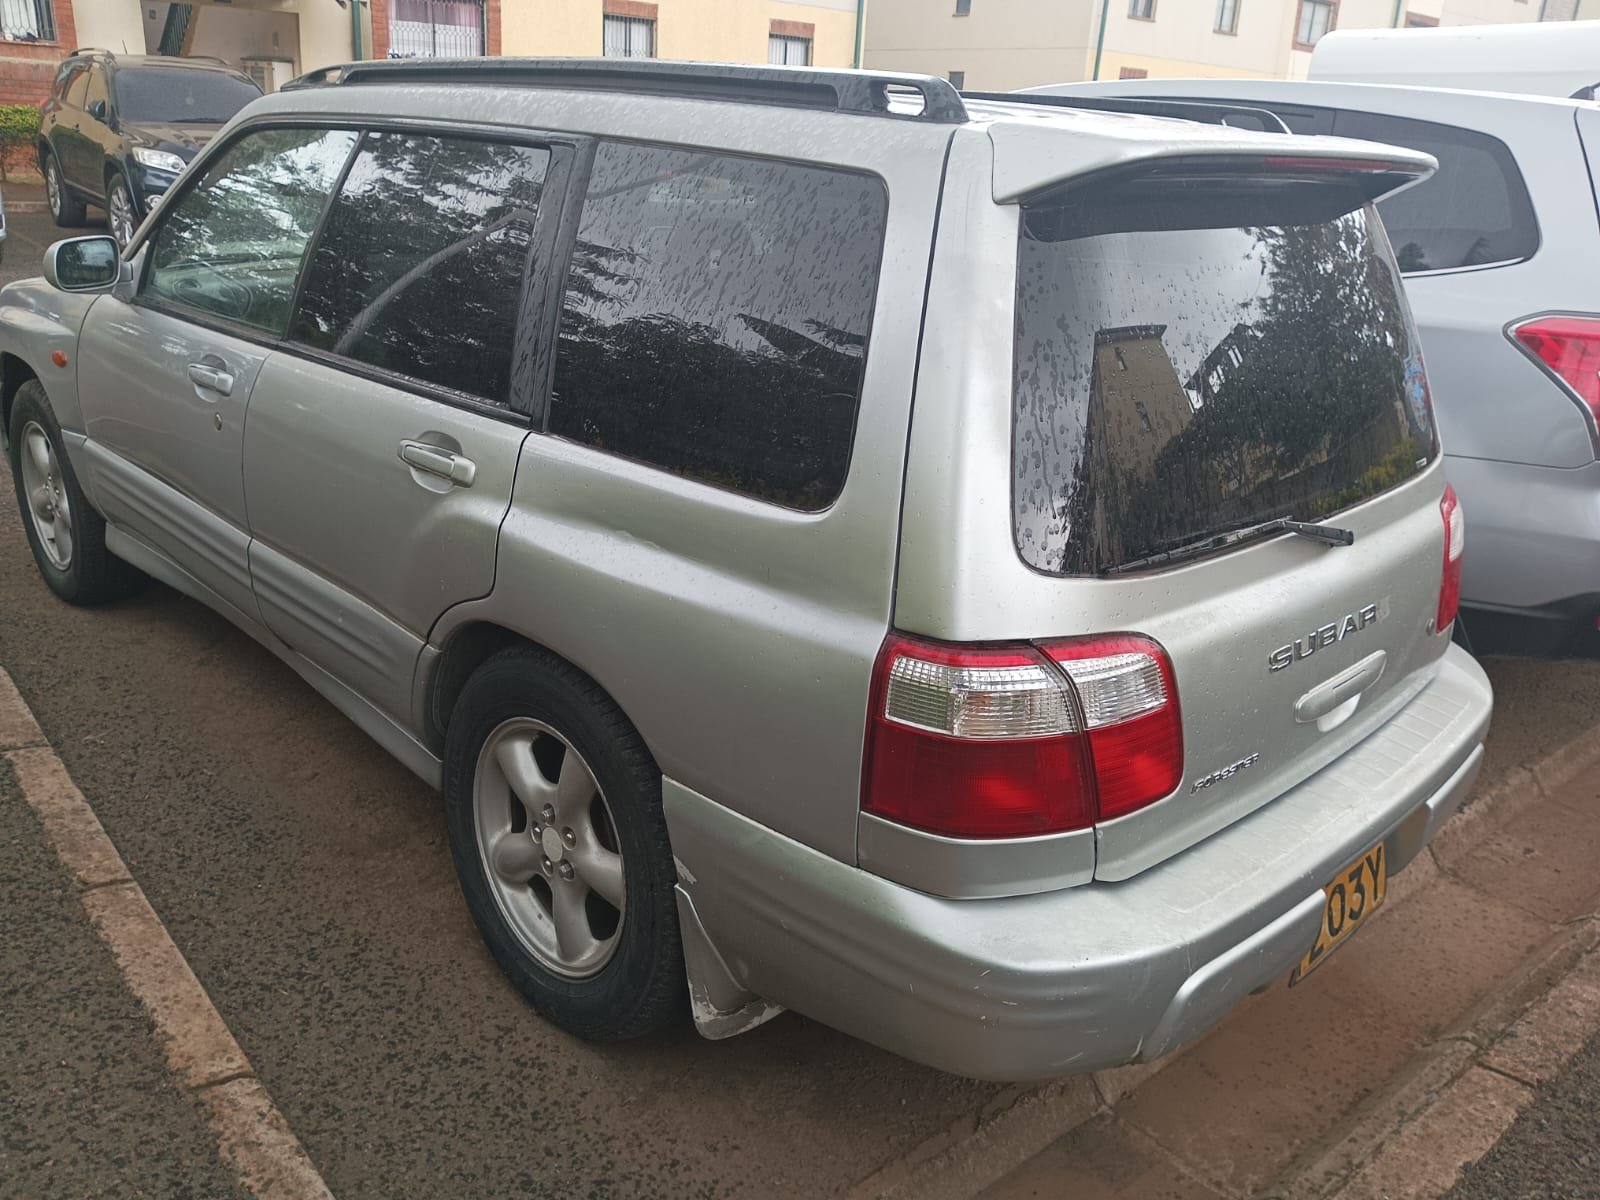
x=1021 y=730
x=1538 y=58
x=118 y=129
x=1500 y=250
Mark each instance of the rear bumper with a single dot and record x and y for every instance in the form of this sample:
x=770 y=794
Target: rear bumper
x=1562 y=629
x=1090 y=976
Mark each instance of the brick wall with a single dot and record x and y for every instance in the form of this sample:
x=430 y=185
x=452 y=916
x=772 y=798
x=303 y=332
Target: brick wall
x=380 y=27
x=26 y=68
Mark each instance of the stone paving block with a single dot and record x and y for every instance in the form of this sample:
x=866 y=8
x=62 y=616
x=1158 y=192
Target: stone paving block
x=1243 y=1104
x=1104 y=1160
x=1422 y=1162
x=1543 y=861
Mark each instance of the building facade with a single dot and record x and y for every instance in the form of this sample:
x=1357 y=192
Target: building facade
x=998 y=45
x=798 y=32
x=273 y=40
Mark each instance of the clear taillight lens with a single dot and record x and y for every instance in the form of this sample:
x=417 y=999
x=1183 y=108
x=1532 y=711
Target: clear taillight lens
x=1016 y=740
x=1455 y=543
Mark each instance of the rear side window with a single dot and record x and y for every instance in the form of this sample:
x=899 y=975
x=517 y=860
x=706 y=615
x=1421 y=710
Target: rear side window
x=1198 y=356
x=420 y=266
x=716 y=318
x=78 y=88
x=1474 y=212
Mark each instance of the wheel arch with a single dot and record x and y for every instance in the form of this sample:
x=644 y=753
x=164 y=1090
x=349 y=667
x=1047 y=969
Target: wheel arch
x=14 y=372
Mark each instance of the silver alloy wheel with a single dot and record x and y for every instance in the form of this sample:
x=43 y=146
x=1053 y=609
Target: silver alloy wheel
x=47 y=495
x=120 y=213
x=52 y=186
x=549 y=847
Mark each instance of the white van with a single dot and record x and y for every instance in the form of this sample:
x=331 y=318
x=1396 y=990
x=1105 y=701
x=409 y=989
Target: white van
x=1543 y=58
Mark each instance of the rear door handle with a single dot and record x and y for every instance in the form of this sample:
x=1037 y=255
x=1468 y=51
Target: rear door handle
x=1325 y=697
x=436 y=460
x=212 y=375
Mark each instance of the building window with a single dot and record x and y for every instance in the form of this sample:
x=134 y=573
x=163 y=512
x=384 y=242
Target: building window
x=1133 y=73
x=1142 y=10
x=433 y=28
x=1315 y=18
x=958 y=80
x=788 y=51
x=963 y=8
x=630 y=37
x=1227 y=16
x=27 y=21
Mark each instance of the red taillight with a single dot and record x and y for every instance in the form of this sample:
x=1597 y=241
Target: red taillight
x=1011 y=741
x=1455 y=541
x=1569 y=348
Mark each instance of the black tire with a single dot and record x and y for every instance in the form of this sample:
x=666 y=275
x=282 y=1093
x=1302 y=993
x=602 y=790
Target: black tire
x=66 y=210
x=92 y=574
x=642 y=987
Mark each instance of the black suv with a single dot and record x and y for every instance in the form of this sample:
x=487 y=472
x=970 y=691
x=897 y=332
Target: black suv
x=117 y=130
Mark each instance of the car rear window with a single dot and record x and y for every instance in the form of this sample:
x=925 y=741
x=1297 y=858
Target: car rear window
x=716 y=318
x=1473 y=212
x=1196 y=356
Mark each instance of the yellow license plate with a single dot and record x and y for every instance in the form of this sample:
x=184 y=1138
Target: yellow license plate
x=1354 y=895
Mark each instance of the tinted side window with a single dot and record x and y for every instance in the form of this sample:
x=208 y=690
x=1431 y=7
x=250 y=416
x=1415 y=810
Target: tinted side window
x=232 y=245
x=1475 y=211
x=420 y=268
x=716 y=318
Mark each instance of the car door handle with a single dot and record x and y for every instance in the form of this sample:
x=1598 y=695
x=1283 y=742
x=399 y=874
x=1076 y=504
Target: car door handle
x=436 y=460
x=1343 y=687
x=212 y=377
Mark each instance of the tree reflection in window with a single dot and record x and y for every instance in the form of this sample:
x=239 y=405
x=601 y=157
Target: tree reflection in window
x=716 y=318
x=1172 y=384
x=420 y=268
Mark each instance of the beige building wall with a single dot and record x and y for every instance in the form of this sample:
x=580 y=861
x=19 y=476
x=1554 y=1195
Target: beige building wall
x=1002 y=44
x=115 y=25
x=1005 y=44
x=704 y=30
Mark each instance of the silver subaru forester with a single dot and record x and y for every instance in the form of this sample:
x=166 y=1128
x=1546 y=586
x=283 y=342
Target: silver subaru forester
x=976 y=573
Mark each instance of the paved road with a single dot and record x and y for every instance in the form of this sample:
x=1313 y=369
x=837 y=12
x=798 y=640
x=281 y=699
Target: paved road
x=1552 y=1152
x=307 y=879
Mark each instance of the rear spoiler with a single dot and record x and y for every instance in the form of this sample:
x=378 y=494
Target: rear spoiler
x=1032 y=157
x=1236 y=116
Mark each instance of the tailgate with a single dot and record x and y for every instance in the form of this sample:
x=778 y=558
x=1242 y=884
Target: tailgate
x=1203 y=351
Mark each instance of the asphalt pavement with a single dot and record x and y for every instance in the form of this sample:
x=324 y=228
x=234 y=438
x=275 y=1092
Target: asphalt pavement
x=305 y=876
x=1552 y=1152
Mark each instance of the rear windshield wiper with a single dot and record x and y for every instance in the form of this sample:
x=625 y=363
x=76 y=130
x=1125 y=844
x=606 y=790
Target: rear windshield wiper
x=1329 y=535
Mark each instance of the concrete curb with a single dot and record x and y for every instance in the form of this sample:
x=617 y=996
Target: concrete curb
x=1020 y=1123
x=205 y=1060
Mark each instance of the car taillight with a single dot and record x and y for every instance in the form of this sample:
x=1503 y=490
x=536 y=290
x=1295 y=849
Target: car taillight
x=1569 y=349
x=1455 y=541
x=1018 y=740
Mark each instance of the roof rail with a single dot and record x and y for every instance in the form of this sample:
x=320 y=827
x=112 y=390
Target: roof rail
x=87 y=50
x=1206 y=112
x=871 y=93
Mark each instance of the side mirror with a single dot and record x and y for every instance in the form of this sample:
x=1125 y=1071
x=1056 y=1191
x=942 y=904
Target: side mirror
x=97 y=110
x=85 y=264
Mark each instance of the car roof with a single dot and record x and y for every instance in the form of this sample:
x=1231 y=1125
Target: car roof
x=123 y=62
x=1377 y=97
x=1035 y=144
